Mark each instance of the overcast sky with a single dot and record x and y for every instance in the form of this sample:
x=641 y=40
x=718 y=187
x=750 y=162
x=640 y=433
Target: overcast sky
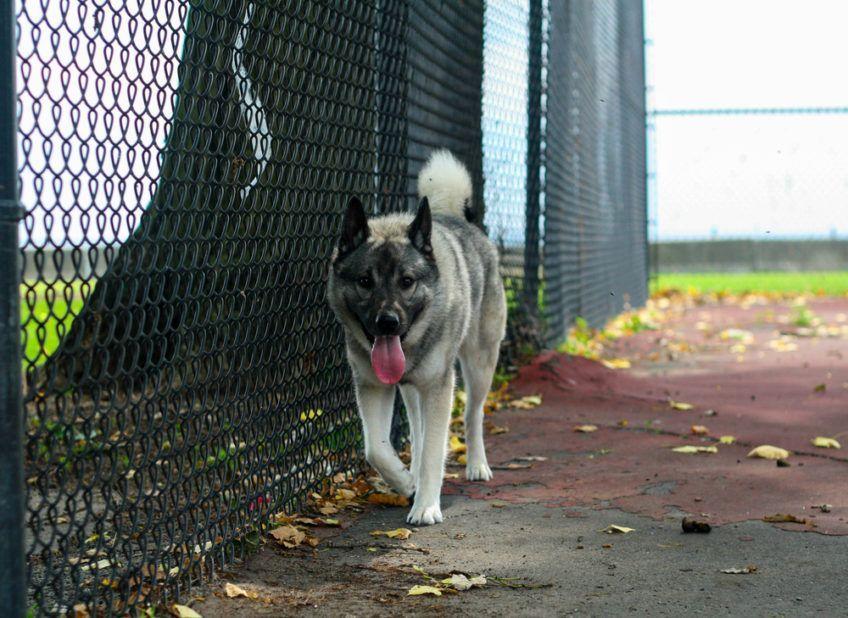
x=749 y=175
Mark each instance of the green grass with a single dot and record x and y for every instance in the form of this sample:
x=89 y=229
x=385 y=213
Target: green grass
x=830 y=283
x=47 y=311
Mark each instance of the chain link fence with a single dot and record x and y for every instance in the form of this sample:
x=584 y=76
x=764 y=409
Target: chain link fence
x=183 y=169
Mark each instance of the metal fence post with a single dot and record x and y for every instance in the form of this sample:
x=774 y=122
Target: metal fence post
x=534 y=156
x=12 y=569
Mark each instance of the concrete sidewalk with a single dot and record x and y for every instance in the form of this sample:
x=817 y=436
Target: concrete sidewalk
x=535 y=529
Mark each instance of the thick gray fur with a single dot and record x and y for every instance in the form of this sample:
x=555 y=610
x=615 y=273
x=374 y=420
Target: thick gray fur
x=455 y=309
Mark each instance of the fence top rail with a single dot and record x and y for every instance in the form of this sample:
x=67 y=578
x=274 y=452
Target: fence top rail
x=740 y=111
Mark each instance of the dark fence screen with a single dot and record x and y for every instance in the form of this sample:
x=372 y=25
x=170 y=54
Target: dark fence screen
x=183 y=168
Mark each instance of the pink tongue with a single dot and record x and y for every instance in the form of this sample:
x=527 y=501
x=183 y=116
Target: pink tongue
x=388 y=360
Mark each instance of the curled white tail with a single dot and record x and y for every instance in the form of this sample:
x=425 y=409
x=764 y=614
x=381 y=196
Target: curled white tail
x=446 y=184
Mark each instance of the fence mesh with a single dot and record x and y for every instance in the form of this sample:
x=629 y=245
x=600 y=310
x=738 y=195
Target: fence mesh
x=595 y=235
x=184 y=168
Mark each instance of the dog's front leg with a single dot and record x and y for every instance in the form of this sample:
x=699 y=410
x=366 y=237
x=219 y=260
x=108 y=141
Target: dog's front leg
x=376 y=406
x=436 y=401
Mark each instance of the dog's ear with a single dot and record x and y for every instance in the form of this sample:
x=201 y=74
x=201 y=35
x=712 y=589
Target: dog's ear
x=421 y=229
x=354 y=228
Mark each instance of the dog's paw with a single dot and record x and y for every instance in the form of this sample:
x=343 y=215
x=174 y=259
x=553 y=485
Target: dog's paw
x=478 y=472
x=424 y=515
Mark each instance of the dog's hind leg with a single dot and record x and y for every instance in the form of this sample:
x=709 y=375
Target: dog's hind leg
x=376 y=406
x=477 y=372
x=436 y=403
x=412 y=403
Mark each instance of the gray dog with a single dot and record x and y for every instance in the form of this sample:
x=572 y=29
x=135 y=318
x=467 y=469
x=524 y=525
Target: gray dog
x=414 y=294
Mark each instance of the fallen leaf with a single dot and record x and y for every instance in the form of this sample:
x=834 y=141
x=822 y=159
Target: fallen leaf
x=607 y=545
x=526 y=403
x=418 y=590
x=736 y=334
x=462 y=460
x=824 y=508
x=516 y=466
x=616 y=363
x=498 y=429
x=779 y=518
x=586 y=428
x=184 y=611
x=451 y=475
x=679 y=405
x=233 y=591
x=398 y=533
x=727 y=439
x=623 y=423
x=328 y=509
x=766 y=451
x=613 y=529
x=693 y=525
x=699 y=430
x=743 y=571
x=345 y=494
x=820 y=388
x=458 y=581
x=388 y=499
x=288 y=536
x=531 y=458
x=80 y=611
x=822 y=442
x=456 y=445
x=691 y=450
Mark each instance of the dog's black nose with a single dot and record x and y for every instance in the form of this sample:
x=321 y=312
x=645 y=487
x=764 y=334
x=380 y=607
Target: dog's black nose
x=388 y=323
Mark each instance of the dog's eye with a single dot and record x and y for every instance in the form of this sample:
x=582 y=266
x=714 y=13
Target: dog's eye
x=406 y=282
x=365 y=282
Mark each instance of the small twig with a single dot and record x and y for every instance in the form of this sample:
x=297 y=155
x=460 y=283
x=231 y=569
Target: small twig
x=511 y=582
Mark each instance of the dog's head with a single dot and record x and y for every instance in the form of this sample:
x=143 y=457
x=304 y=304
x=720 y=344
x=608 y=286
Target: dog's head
x=383 y=273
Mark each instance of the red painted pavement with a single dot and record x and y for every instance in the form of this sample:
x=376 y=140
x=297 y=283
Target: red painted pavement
x=760 y=395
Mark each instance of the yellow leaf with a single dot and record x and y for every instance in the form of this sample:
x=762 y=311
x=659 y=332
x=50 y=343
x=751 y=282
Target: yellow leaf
x=767 y=451
x=398 y=533
x=727 y=439
x=527 y=403
x=462 y=460
x=233 y=591
x=498 y=429
x=184 y=611
x=613 y=529
x=679 y=405
x=345 y=494
x=417 y=590
x=616 y=363
x=822 y=442
x=699 y=430
x=820 y=388
x=288 y=536
x=456 y=445
x=586 y=428
x=691 y=450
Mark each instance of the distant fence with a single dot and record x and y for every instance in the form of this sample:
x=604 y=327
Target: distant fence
x=750 y=255
x=183 y=168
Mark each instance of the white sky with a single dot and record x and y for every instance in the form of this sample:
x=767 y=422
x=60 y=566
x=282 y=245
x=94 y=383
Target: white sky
x=749 y=175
